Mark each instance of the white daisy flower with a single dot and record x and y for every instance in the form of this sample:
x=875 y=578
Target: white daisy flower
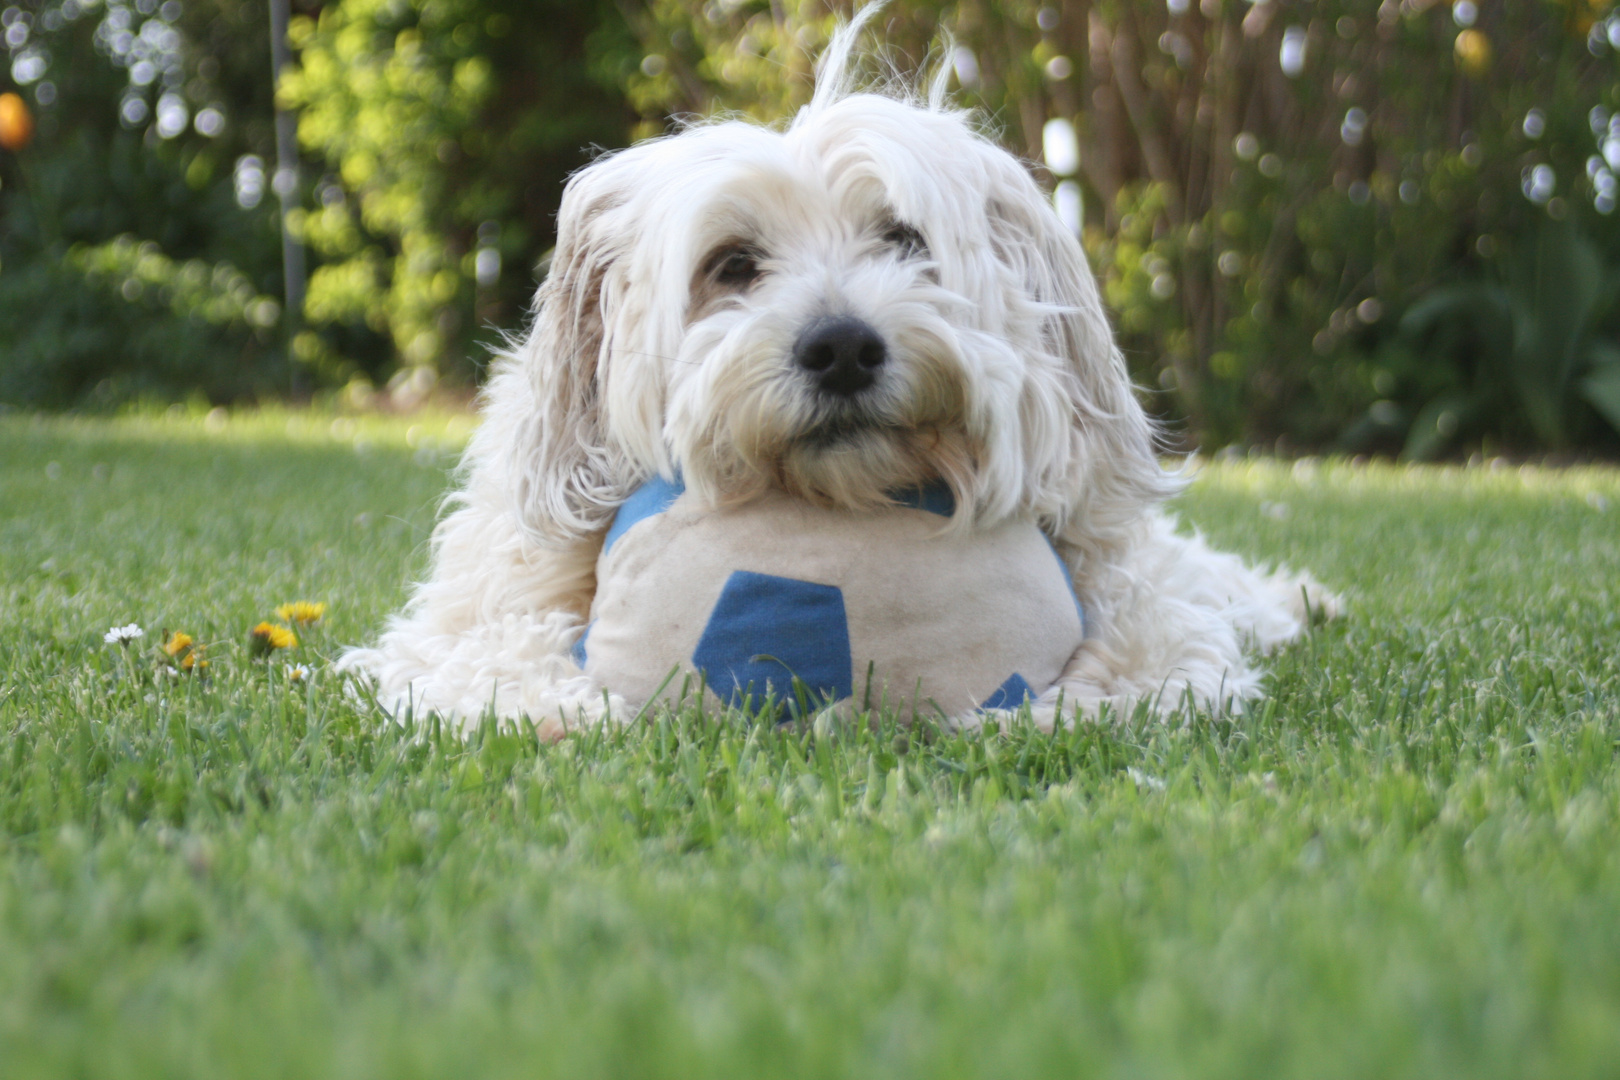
x=120 y=634
x=298 y=672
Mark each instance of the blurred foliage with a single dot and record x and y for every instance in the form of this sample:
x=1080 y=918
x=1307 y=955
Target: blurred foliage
x=449 y=126
x=1269 y=185
x=1365 y=225
x=141 y=111
x=442 y=133
x=219 y=293
x=1414 y=147
x=1531 y=339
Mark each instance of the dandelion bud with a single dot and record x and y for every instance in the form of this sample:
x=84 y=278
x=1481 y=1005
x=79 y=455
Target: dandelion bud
x=267 y=637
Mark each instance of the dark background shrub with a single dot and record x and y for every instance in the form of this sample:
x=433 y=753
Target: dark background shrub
x=1357 y=225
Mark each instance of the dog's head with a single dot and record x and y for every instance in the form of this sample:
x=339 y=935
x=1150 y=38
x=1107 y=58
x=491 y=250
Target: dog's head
x=875 y=297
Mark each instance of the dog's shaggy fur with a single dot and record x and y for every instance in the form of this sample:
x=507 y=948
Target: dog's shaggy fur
x=685 y=271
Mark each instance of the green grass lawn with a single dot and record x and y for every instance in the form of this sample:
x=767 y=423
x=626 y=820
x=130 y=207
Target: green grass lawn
x=1406 y=863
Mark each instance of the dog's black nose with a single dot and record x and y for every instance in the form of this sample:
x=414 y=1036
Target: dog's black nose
x=842 y=353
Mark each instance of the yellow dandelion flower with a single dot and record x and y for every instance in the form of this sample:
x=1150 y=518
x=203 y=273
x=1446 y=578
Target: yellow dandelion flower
x=302 y=612
x=267 y=637
x=183 y=649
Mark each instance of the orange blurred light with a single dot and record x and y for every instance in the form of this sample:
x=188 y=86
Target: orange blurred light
x=16 y=124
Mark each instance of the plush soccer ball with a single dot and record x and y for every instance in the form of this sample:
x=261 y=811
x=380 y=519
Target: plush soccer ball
x=886 y=607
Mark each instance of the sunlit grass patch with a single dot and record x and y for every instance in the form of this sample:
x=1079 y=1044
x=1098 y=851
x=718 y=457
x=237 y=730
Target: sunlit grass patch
x=1403 y=863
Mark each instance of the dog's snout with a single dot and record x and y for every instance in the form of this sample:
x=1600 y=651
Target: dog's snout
x=842 y=353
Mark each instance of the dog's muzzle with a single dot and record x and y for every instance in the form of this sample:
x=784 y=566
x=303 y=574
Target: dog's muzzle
x=842 y=354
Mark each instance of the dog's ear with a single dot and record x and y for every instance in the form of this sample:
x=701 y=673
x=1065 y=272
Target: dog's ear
x=1095 y=460
x=566 y=479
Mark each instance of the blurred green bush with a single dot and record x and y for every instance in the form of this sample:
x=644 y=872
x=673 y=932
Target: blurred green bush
x=1270 y=186
x=1363 y=225
x=139 y=238
x=122 y=100
x=448 y=127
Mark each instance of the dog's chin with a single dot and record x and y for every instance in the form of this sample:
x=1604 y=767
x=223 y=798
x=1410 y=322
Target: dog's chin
x=836 y=454
x=847 y=431
x=857 y=463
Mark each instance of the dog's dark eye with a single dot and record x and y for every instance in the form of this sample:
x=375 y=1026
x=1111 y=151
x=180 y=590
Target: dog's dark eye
x=907 y=239
x=735 y=267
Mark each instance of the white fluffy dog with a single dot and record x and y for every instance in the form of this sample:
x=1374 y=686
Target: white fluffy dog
x=667 y=339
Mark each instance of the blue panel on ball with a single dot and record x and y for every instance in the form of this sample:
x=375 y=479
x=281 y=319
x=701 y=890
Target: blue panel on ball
x=578 y=651
x=767 y=629
x=1010 y=694
x=1068 y=579
x=653 y=497
x=935 y=497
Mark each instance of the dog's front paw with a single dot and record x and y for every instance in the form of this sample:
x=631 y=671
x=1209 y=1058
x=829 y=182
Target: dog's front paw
x=1310 y=601
x=554 y=729
x=578 y=713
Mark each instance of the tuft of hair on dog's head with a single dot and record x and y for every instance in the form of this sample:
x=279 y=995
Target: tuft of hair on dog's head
x=873 y=298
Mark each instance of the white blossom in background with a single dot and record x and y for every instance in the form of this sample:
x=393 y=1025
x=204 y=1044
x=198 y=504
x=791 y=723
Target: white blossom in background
x=487 y=267
x=210 y=122
x=1604 y=185
x=1354 y=126
x=1176 y=45
x=967 y=67
x=1539 y=182
x=1060 y=147
x=1292 y=54
x=140 y=36
x=172 y=115
x=487 y=260
x=18 y=23
x=1609 y=143
x=1604 y=198
x=1066 y=199
x=1601 y=170
x=249 y=179
x=28 y=66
